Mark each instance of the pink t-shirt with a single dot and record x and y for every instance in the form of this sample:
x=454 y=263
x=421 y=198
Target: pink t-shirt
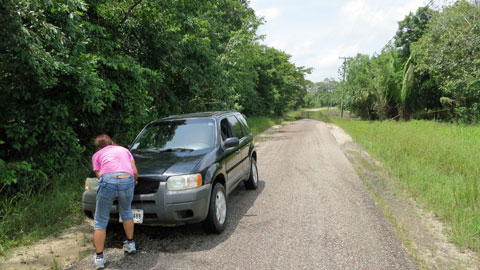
x=112 y=159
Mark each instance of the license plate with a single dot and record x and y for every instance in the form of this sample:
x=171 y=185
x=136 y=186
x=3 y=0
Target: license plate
x=137 y=216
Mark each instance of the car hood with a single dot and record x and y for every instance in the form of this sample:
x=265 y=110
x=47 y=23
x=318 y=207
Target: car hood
x=167 y=163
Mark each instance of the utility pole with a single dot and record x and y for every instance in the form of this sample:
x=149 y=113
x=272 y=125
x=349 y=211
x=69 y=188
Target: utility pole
x=343 y=88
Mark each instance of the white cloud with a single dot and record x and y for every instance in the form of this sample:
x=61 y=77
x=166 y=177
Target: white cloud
x=353 y=10
x=326 y=62
x=317 y=32
x=303 y=46
x=269 y=14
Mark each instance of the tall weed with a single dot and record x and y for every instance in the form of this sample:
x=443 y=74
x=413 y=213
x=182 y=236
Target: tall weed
x=438 y=163
x=258 y=124
x=29 y=216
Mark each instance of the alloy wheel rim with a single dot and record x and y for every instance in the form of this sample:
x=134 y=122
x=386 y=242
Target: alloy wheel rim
x=254 y=173
x=221 y=207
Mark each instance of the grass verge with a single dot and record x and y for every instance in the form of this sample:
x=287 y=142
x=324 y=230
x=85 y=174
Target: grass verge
x=259 y=124
x=30 y=217
x=381 y=189
x=435 y=162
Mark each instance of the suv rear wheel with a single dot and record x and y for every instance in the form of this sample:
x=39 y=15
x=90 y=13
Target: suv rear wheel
x=217 y=211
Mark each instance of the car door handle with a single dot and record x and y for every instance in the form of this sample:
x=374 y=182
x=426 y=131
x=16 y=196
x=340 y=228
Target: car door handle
x=238 y=151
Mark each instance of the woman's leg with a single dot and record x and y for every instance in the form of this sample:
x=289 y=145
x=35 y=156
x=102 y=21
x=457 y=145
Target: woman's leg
x=125 y=197
x=105 y=197
x=128 y=226
x=99 y=240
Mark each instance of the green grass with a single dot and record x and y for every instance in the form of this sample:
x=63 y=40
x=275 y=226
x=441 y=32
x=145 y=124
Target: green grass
x=30 y=217
x=437 y=163
x=259 y=124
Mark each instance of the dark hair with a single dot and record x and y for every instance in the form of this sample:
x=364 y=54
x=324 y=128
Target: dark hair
x=103 y=140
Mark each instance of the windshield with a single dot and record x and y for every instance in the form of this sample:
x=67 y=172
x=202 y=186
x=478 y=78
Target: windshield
x=180 y=135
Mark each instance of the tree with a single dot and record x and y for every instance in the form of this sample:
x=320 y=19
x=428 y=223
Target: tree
x=372 y=85
x=48 y=81
x=386 y=80
x=325 y=93
x=411 y=29
x=359 y=96
x=407 y=91
x=73 y=69
x=281 y=85
x=448 y=52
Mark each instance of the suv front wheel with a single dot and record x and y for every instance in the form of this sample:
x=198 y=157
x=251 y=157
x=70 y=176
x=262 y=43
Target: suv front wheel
x=217 y=210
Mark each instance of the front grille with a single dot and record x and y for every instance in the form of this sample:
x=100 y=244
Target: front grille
x=150 y=215
x=146 y=187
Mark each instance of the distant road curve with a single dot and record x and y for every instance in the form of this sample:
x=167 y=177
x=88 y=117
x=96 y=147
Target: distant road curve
x=319 y=109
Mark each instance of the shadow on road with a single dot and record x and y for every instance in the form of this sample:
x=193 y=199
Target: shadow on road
x=190 y=237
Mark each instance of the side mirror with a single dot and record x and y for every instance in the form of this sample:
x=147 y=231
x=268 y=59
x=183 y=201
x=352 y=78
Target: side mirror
x=231 y=142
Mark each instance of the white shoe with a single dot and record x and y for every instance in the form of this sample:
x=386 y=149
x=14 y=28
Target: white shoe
x=129 y=247
x=99 y=262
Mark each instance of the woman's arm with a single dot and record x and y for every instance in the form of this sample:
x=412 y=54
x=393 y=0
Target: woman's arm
x=135 y=172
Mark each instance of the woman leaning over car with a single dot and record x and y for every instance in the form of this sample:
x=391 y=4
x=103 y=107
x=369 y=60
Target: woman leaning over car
x=117 y=174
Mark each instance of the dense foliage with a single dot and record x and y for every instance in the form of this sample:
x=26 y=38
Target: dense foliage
x=72 y=69
x=430 y=70
x=323 y=94
x=450 y=53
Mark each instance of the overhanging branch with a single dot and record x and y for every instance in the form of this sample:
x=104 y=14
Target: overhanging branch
x=130 y=10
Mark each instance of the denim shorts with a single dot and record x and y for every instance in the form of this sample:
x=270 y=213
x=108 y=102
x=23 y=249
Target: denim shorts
x=109 y=189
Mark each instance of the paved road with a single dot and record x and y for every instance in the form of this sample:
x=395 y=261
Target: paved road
x=311 y=211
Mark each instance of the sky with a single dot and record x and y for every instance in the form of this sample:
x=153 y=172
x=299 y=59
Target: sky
x=317 y=32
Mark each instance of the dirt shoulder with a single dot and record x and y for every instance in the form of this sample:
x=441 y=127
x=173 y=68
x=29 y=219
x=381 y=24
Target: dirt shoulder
x=54 y=252
x=421 y=232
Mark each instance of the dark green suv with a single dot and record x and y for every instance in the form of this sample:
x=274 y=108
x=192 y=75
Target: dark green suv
x=187 y=165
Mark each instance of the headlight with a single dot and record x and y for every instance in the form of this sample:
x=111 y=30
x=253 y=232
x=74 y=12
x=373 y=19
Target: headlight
x=91 y=184
x=182 y=182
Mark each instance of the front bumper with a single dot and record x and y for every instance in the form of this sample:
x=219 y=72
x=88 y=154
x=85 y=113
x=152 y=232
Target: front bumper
x=162 y=207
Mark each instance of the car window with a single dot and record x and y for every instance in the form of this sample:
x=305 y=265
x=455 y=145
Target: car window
x=226 y=129
x=236 y=126
x=244 y=122
x=191 y=134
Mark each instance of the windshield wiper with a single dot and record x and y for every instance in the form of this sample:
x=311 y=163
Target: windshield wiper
x=147 y=150
x=175 y=149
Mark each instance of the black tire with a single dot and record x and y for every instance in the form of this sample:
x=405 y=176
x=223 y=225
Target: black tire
x=216 y=220
x=252 y=182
